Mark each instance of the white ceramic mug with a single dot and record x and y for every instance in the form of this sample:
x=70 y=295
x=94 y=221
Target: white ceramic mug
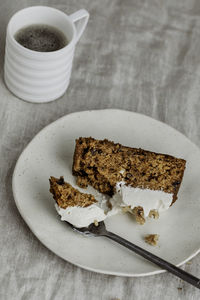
x=41 y=76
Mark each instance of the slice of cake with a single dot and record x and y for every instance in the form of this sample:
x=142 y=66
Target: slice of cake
x=141 y=179
x=77 y=208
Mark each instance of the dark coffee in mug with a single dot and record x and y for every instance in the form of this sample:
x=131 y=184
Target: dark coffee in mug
x=41 y=37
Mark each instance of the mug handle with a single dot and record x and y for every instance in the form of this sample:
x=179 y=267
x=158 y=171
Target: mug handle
x=83 y=16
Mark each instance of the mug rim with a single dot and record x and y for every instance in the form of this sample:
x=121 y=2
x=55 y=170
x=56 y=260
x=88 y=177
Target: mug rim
x=40 y=53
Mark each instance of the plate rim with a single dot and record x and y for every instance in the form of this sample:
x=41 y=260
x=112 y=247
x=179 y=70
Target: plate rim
x=107 y=272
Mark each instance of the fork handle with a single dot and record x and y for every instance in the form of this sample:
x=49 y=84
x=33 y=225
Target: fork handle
x=155 y=259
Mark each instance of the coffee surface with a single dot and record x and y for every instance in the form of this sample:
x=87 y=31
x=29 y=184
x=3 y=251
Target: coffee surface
x=42 y=38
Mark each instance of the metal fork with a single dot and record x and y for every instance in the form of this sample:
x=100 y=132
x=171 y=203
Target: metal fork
x=100 y=230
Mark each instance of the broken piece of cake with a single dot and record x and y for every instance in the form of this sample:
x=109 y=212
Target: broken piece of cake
x=79 y=209
x=142 y=182
x=137 y=179
x=151 y=239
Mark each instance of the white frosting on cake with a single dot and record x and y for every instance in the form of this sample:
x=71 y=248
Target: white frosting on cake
x=81 y=216
x=125 y=196
x=146 y=198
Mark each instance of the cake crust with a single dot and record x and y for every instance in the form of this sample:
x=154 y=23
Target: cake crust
x=103 y=163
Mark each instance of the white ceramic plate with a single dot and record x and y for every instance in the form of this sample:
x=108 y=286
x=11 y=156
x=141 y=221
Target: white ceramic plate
x=51 y=153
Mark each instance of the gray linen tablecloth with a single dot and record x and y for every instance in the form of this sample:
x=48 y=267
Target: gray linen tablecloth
x=138 y=55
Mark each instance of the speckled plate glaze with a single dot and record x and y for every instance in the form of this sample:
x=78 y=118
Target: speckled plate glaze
x=51 y=153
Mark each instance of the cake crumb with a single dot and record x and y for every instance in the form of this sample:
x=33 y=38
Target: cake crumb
x=122 y=171
x=152 y=239
x=125 y=209
x=188 y=262
x=139 y=215
x=154 y=214
x=179 y=288
x=96 y=223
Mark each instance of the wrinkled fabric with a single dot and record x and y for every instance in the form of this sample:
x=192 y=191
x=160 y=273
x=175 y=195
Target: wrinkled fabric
x=136 y=55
